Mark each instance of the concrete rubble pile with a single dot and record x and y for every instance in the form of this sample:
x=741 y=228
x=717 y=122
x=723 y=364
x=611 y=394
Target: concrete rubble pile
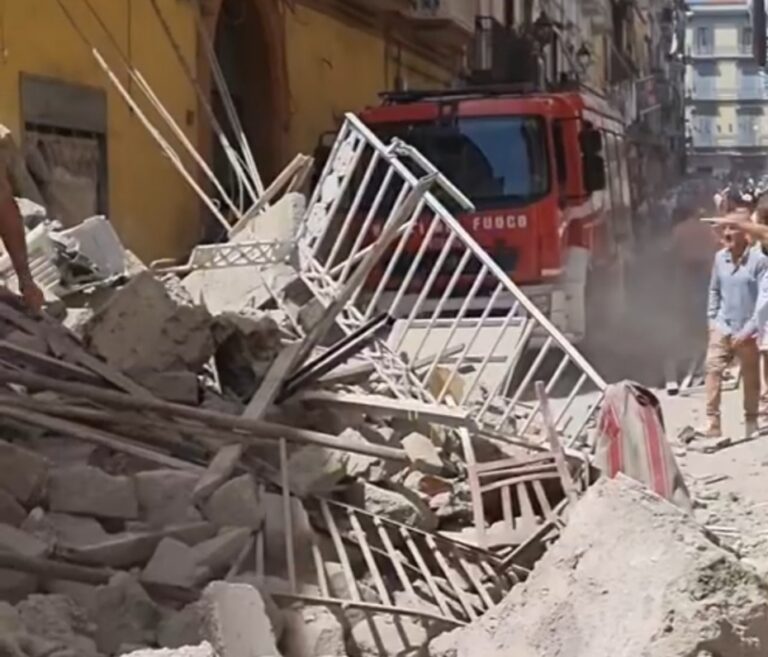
x=227 y=458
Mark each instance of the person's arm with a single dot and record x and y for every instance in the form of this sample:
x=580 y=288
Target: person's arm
x=14 y=238
x=713 y=303
x=757 y=231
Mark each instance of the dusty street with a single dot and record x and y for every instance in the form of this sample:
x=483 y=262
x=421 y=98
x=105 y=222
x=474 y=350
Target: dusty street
x=729 y=484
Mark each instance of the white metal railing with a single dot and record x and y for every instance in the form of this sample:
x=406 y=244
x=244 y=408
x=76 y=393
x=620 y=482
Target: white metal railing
x=484 y=342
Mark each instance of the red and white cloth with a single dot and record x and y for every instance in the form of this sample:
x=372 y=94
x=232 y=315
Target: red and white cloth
x=631 y=439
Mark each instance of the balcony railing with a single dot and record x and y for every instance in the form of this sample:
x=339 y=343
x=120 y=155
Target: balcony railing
x=716 y=52
x=738 y=140
x=719 y=93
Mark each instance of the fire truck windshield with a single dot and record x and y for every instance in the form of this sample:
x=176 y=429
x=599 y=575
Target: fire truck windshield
x=493 y=160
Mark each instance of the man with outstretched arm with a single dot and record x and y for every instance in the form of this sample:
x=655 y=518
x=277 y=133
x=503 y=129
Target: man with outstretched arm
x=733 y=291
x=14 y=238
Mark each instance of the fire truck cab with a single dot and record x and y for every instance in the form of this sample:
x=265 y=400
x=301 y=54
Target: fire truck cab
x=548 y=175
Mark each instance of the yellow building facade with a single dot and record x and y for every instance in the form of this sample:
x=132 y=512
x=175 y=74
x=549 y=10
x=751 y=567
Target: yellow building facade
x=295 y=68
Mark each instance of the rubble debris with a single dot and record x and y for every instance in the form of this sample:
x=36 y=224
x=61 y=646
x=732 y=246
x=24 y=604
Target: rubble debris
x=312 y=631
x=165 y=497
x=84 y=489
x=174 y=564
x=396 y=503
x=11 y=512
x=124 y=614
x=236 y=504
x=382 y=635
x=203 y=649
x=218 y=553
x=695 y=595
x=23 y=474
x=181 y=628
x=219 y=470
x=144 y=327
x=316 y=470
x=58 y=619
x=236 y=622
x=422 y=453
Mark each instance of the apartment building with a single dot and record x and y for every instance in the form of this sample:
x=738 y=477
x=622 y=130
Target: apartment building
x=726 y=99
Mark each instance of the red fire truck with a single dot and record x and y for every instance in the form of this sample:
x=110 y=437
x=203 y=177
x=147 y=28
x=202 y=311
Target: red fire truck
x=548 y=175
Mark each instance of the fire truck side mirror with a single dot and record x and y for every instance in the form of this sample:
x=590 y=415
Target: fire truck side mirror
x=593 y=164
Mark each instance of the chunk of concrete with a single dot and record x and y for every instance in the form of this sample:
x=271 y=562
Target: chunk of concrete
x=219 y=470
x=83 y=489
x=315 y=470
x=181 y=628
x=173 y=564
x=422 y=453
x=276 y=534
x=14 y=585
x=59 y=619
x=236 y=621
x=396 y=503
x=11 y=512
x=219 y=552
x=165 y=497
x=203 y=649
x=23 y=474
x=312 y=631
x=236 y=504
x=64 y=529
x=145 y=327
x=123 y=613
x=628 y=570
x=385 y=635
x=181 y=387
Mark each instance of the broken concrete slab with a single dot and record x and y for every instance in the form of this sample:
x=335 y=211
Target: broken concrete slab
x=275 y=531
x=203 y=649
x=64 y=529
x=60 y=620
x=14 y=585
x=681 y=595
x=422 y=453
x=84 y=489
x=181 y=628
x=180 y=387
x=123 y=613
x=165 y=496
x=11 y=512
x=396 y=503
x=23 y=474
x=147 y=327
x=221 y=468
x=173 y=564
x=219 y=552
x=314 y=470
x=384 y=635
x=236 y=621
x=312 y=631
x=236 y=504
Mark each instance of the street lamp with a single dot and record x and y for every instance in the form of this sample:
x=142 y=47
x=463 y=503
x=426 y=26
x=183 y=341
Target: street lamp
x=584 y=57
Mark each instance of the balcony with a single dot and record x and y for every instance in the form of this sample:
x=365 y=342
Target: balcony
x=719 y=52
x=731 y=141
x=452 y=18
x=717 y=93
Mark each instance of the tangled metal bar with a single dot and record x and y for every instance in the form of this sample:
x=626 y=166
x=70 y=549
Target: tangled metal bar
x=444 y=289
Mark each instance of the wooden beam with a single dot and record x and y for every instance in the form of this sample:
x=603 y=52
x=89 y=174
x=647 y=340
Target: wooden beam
x=379 y=405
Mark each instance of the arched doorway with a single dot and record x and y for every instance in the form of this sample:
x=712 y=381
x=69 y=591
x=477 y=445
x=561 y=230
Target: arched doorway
x=248 y=38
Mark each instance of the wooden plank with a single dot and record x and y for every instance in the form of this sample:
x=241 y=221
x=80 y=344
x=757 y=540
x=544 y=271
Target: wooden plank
x=541 y=498
x=317 y=557
x=476 y=493
x=272 y=383
x=511 y=463
x=45 y=364
x=285 y=485
x=528 y=521
x=506 y=507
x=569 y=487
x=97 y=436
x=378 y=405
x=261 y=429
x=512 y=481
